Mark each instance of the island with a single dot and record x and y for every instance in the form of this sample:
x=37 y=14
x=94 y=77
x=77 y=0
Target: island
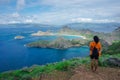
x=59 y=43
x=84 y=37
x=48 y=33
x=19 y=37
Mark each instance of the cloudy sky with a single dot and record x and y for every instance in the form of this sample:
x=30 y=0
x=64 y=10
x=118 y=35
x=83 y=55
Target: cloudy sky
x=59 y=11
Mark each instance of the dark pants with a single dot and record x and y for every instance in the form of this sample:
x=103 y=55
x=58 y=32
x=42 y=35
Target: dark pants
x=94 y=56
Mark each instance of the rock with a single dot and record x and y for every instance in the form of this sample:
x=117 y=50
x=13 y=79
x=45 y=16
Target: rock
x=112 y=49
x=117 y=29
x=113 y=62
x=19 y=37
x=105 y=44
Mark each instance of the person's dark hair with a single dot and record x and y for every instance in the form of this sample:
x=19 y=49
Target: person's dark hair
x=96 y=39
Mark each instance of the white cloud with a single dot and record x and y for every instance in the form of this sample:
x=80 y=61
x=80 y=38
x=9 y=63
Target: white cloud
x=20 y=4
x=28 y=21
x=16 y=14
x=81 y=10
x=18 y=18
x=66 y=11
x=13 y=22
x=93 y=20
x=66 y=3
x=105 y=20
x=82 y=20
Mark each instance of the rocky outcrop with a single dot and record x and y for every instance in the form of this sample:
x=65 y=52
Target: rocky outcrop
x=105 y=44
x=116 y=33
x=113 y=62
x=113 y=49
x=117 y=29
x=19 y=37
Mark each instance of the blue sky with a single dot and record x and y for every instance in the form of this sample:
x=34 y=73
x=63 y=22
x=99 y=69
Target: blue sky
x=59 y=11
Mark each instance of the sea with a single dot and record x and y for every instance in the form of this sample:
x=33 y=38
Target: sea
x=14 y=55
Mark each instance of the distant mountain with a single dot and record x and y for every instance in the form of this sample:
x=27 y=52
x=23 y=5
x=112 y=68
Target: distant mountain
x=24 y=25
x=97 y=27
x=106 y=37
x=69 y=30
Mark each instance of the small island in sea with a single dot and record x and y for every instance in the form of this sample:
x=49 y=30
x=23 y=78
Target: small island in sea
x=19 y=37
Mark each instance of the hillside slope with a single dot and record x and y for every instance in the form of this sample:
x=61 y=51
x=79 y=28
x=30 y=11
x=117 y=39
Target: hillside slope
x=82 y=73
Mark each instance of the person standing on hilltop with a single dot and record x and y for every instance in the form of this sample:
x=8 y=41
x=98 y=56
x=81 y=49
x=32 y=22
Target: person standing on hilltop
x=95 y=52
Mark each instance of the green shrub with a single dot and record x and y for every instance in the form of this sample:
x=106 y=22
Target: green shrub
x=63 y=66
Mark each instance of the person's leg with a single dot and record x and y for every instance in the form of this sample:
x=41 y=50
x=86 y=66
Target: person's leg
x=96 y=64
x=92 y=64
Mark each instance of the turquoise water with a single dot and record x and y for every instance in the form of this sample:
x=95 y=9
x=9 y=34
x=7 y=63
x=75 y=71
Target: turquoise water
x=14 y=55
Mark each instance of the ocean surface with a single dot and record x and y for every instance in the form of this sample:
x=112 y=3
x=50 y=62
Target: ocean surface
x=14 y=55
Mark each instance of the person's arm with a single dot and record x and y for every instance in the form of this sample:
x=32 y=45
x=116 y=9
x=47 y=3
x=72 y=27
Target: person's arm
x=100 y=49
x=90 y=46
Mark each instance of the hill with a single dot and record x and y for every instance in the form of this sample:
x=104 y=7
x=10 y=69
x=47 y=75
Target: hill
x=113 y=49
x=108 y=37
x=59 y=43
x=97 y=27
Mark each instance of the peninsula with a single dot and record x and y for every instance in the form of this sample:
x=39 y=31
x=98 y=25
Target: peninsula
x=59 y=43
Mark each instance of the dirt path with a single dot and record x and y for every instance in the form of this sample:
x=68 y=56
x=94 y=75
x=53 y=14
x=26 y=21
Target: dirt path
x=81 y=73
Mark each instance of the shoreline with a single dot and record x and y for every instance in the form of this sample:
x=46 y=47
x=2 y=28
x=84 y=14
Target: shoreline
x=71 y=35
x=57 y=34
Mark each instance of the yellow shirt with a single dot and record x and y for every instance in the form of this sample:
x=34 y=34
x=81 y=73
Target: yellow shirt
x=98 y=46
